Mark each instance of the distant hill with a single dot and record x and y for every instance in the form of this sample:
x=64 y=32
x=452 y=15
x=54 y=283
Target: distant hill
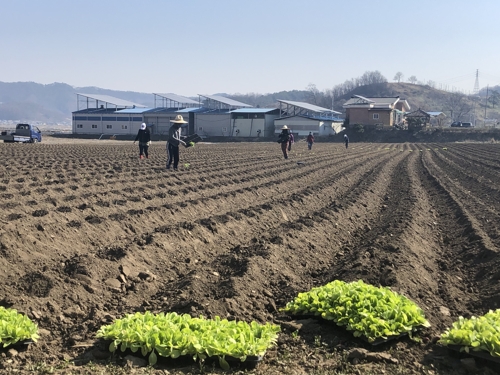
x=54 y=103
x=30 y=101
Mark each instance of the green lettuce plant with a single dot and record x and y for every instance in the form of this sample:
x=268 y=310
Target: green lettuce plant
x=376 y=313
x=477 y=333
x=15 y=327
x=173 y=335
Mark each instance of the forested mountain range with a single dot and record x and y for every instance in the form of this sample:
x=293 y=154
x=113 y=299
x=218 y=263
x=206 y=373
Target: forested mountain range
x=53 y=103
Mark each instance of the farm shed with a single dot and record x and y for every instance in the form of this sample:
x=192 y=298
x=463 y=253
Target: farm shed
x=303 y=118
x=167 y=107
x=253 y=122
x=437 y=118
x=215 y=118
x=385 y=111
x=105 y=114
x=417 y=119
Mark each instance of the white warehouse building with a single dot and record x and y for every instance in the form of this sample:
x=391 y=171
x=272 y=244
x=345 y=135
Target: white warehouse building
x=107 y=115
x=210 y=116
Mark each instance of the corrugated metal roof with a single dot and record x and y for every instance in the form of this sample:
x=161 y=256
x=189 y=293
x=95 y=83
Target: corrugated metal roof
x=225 y=100
x=163 y=110
x=175 y=110
x=177 y=98
x=253 y=110
x=112 y=100
x=320 y=118
x=133 y=110
x=310 y=107
x=192 y=109
x=359 y=101
x=96 y=110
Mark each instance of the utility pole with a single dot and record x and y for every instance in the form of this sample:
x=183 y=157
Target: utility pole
x=486 y=105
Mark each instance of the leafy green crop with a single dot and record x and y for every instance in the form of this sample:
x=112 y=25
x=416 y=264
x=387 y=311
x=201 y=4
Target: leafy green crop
x=375 y=313
x=16 y=327
x=173 y=335
x=480 y=334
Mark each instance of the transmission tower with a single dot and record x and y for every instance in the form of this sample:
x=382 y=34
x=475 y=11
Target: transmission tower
x=476 y=84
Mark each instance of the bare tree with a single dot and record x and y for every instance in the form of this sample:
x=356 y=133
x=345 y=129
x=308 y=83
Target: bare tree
x=398 y=77
x=369 y=78
x=412 y=79
x=494 y=98
x=313 y=93
x=458 y=105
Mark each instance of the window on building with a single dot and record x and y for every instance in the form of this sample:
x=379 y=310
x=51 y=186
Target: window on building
x=79 y=126
x=375 y=116
x=109 y=126
x=94 y=126
x=124 y=127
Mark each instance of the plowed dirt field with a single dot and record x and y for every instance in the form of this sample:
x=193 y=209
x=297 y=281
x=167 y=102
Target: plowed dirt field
x=89 y=233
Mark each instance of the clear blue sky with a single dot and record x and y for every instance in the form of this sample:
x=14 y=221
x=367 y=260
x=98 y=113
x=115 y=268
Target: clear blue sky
x=192 y=47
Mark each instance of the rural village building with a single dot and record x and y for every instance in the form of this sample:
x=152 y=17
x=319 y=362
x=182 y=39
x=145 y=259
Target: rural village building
x=417 y=119
x=435 y=118
x=224 y=117
x=105 y=114
x=303 y=118
x=210 y=116
x=384 y=111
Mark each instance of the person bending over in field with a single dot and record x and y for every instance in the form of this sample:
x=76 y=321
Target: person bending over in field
x=144 y=138
x=346 y=140
x=174 y=139
x=284 y=138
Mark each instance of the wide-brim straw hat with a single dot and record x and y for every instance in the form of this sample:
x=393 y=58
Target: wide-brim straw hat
x=179 y=120
x=284 y=127
x=143 y=126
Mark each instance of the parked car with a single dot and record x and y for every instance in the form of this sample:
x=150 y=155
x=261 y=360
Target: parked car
x=467 y=124
x=456 y=124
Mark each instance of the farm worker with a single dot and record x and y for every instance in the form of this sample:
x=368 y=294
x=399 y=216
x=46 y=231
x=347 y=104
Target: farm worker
x=144 y=138
x=310 y=140
x=174 y=139
x=284 y=138
x=290 y=141
x=346 y=140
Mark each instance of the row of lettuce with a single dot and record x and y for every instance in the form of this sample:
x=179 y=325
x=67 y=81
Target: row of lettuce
x=375 y=314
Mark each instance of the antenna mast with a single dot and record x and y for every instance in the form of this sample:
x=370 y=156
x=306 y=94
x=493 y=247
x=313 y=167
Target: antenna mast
x=476 y=84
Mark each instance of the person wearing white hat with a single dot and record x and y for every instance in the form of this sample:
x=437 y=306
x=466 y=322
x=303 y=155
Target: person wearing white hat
x=144 y=138
x=174 y=139
x=284 y=138
x=346 y=140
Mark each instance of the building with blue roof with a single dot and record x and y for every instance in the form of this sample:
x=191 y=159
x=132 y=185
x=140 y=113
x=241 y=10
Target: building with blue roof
x=105 y=114
x=304 y=118
x=209 y=116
